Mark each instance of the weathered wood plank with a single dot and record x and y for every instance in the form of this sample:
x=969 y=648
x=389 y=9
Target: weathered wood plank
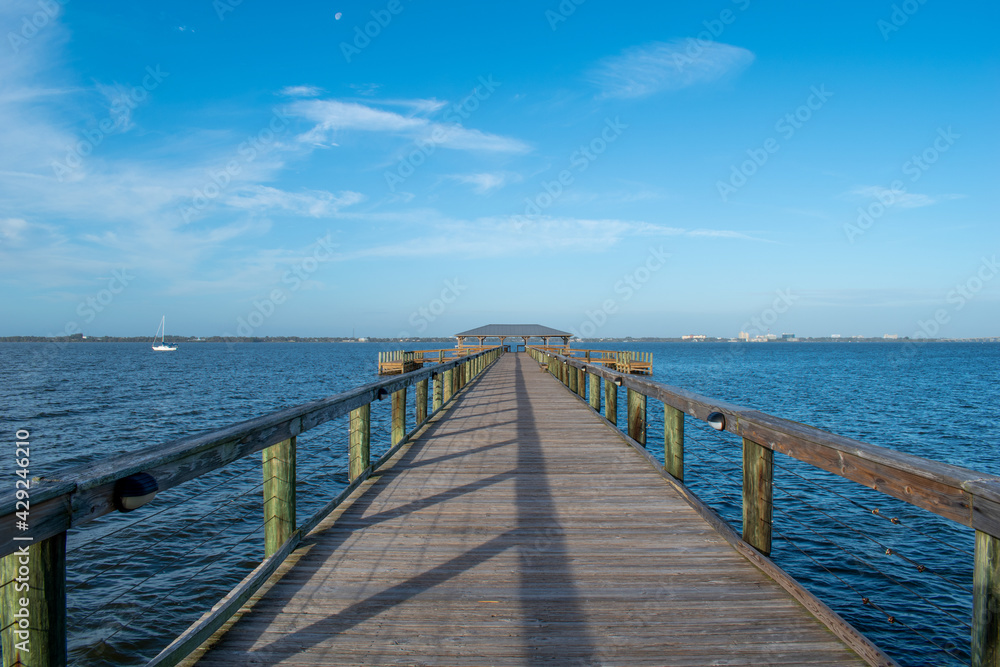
x=279 y=494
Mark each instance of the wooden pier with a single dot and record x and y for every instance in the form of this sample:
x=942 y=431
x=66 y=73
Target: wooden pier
x=515 y=523
x=518 y=528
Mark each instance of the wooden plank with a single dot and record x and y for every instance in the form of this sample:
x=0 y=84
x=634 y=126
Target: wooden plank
x=636 y=416
x=398 y=417
x=420 y=413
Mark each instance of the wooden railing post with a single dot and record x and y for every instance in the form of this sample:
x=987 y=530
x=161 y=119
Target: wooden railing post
x=572 y=378
x=673 y=442
x=595 y=391
x=437 y=399
x=421 y=407
x=359 y=442
x=758 y=480
x=581 y=382
x=398 y=416
x=449 y=384
x=279 y=494
x=34 y=634
x=637 y=416
x=611 y=401
x=986 y=602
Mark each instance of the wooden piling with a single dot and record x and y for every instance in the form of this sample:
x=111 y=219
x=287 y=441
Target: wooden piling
x=673 y=442
x=758 y=481
x=449 y=384
x=438 y=399
x=421 y=399
x=359 y=441
x=398 y=416
x=611 y=401
x=637 y=416
x=279 y=494
x=986 y=602
x=581 y=383
x=595 y=391
x=43 y=568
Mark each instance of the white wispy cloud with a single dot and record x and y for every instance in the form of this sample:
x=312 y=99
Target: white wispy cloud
x=310 y=203
x=332 y=116
x=485 y=183
x=899 y=198
x=663 y=66
x=301 y=91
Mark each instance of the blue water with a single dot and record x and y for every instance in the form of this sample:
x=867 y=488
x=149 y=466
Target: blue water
x=82 y=402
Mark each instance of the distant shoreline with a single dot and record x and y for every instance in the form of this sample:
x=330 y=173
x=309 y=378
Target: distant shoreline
x=78 y=338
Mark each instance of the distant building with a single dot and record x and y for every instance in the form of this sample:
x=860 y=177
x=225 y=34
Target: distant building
x=694 y=337
x=744 y=336
x=834 y=335
x=891 y=336
x=787 y=336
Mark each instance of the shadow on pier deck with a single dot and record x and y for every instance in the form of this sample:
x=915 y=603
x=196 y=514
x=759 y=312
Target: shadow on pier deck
x=517 y=528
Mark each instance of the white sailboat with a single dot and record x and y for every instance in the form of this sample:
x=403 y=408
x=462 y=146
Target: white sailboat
x=161 y=331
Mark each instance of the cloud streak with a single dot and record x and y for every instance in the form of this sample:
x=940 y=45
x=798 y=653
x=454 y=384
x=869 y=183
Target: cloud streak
x=645 y=70
x=333 y=116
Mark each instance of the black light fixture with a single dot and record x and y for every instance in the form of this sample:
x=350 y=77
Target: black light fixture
x=134 y=491
x=381 y=393
x=618 y=381
x=717 y=420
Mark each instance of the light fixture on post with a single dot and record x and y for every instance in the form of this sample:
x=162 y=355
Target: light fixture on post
x=134 y=491
x=717 y=420
x=381 y=393
x=618 y=381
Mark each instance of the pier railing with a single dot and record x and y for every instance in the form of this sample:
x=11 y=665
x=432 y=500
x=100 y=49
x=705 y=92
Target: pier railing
x=34 y=520
x=623 y=361
x=393 y=362
x=963 y=496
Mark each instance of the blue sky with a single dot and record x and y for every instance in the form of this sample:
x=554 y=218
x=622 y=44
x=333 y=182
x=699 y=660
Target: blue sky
x=407 y=168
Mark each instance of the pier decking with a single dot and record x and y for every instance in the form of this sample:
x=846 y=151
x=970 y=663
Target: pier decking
x=517 y=527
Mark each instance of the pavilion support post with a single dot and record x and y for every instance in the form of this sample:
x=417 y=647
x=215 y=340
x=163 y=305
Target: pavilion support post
x=636 y=416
